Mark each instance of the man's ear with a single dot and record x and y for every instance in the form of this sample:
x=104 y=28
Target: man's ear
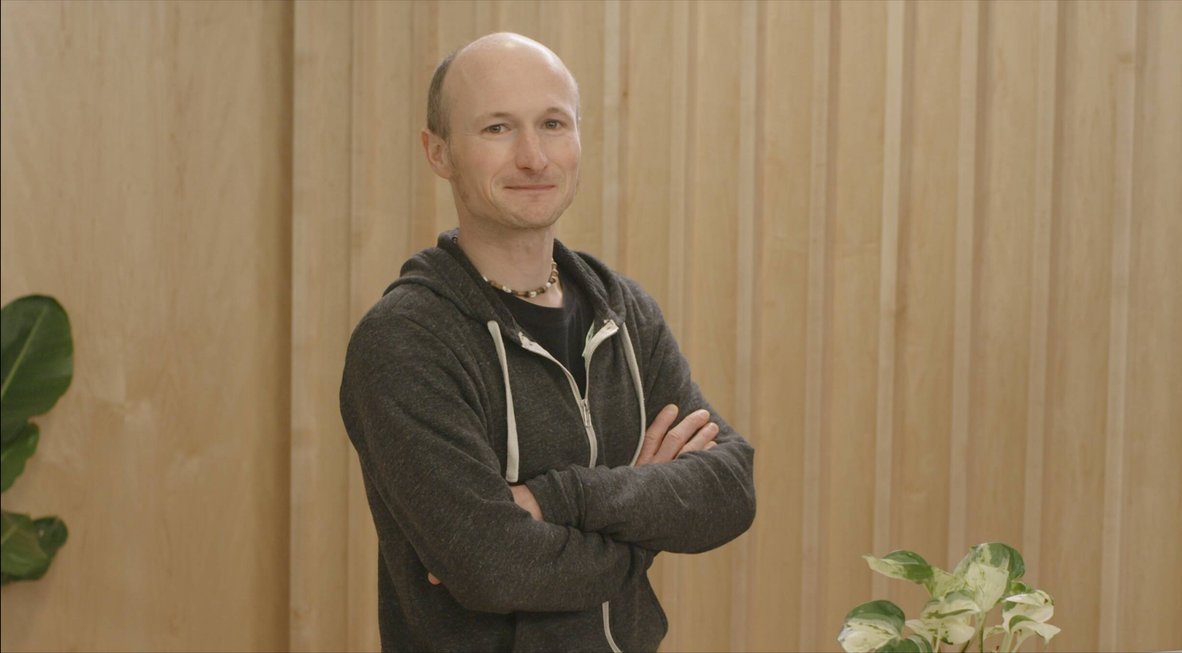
x=437 y=155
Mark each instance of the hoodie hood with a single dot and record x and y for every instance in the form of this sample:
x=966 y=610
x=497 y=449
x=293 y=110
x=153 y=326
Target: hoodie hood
x=446 y=271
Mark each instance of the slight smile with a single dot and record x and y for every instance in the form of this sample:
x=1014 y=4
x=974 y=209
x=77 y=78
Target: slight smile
x=531 y=187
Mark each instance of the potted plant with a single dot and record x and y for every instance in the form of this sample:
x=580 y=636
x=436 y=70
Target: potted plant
x=958 y=606
x=36 y=366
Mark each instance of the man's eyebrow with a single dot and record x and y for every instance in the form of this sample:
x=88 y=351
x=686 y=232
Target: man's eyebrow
x=506 y=114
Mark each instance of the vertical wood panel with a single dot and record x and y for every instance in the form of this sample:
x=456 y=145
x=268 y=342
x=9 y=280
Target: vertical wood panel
x=1150 y=564
x=612 y=119
x=146 y=168
x=925 y=485
x=779 y=313
x=892 y=180
x=321 y=203
x=1126 y=92
x=1002 y=284
x=851 y=343
x=429 y=49
x=962 y=328
x=648 y=95
x=1045 y=191
x=1078 y=350
x=825 y=44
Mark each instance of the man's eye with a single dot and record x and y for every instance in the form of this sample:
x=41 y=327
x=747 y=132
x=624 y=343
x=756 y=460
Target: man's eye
x=495 y=129
x=553 y=124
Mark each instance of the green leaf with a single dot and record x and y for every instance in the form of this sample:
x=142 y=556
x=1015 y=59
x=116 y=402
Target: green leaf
x=880 y=609
x=904 y=565
x=51 y=535
x=36 y=360
x=20 y=549
x=15 y=453
x=28 y=546
x=871 y=626
x=987 y=572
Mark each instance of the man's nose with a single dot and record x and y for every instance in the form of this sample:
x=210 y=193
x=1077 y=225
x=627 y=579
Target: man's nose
x=530 y=155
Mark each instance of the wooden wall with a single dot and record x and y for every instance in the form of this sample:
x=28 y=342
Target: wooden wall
x=146 y=152
x=923 y=255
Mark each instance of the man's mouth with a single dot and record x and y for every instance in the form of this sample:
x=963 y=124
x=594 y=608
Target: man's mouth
x=530 y=187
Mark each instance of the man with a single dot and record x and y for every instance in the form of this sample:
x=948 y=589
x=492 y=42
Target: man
x=513 y=402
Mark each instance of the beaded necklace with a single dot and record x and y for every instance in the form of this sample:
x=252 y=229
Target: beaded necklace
x=527 y=294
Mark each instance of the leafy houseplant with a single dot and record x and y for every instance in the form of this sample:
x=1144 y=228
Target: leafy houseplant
x=36 y=365
x=959 y=603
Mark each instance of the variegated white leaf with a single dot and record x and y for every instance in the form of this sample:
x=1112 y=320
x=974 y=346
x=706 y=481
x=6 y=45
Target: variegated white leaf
x=1038 y=606
x=864 y=635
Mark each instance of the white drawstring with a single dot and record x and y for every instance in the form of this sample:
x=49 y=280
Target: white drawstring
x=630 y=354
x=512 y=457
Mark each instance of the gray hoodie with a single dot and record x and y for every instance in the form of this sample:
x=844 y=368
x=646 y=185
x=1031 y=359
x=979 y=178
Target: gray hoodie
x=448 y=402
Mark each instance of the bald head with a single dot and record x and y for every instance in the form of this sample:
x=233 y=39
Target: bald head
x=480 y=62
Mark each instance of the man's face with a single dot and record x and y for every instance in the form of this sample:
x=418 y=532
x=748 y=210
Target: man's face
x=513 y=155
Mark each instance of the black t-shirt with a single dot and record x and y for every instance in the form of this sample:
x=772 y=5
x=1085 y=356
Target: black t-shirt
x=561 y=331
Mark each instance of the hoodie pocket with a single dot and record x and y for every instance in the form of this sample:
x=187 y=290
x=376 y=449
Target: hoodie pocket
x=636 y=620
x=638 y=623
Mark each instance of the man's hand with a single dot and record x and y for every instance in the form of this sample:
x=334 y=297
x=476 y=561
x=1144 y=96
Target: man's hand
x=661 y=444
x=523 y=498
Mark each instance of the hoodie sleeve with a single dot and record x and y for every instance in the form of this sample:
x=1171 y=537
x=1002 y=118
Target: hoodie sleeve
x=410 y=407
x=694 y=503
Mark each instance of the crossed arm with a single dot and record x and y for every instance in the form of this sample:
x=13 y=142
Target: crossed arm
x=662 y=443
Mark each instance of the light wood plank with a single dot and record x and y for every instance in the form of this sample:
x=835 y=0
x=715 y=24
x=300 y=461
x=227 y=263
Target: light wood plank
x=892 y=180
x=966 y=200
x=611 y=128
x=780 y=323
x=1045 y=189
x=824 y=30
x=1150 y=563
x=321 y=180
x=145 y=176
x=1118 y=330
x=1077 y=394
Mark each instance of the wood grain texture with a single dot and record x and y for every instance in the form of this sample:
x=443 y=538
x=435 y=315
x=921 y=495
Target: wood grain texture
x=851 y=300
x=923 y=254
x=964 y=264
x=1044 y=191
x=893 y=173
x=817 y=312
x=1118 y=329
x=322 y=200
x=146 y=174
x=1078 y=348
x=1149 y=562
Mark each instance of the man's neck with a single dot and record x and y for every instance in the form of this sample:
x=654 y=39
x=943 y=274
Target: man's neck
x=519 y=259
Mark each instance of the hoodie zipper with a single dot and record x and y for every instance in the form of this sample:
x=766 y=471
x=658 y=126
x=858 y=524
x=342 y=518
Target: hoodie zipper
x=608 y=330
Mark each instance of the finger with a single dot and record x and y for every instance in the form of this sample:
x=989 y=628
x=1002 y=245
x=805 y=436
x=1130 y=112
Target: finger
x=676 y=438
x=710 y=445
x=705 y=436
x=655 y=433
x=432 y=579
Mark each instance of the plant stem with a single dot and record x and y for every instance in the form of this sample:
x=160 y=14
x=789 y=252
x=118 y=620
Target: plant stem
x=1005 y=643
